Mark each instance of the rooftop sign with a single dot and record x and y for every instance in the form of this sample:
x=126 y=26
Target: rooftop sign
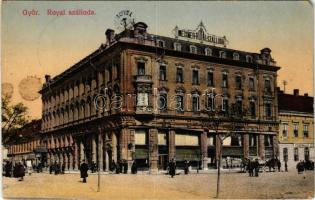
x=201 y=35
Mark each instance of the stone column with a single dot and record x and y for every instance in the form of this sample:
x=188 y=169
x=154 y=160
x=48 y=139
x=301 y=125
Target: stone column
x=66 y=161
x=82 y=157
x=105 y=152
x=261 y=146
x=217 y=147
x=171 y=145
x=70 y=161
x=94 y=149
x=275 y=146
x=153 y=150
x=246 y=145
x=204 y=150
x=100 y=151
x=76 y=156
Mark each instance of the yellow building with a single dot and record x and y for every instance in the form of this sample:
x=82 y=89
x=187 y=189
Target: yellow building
x=296 y=136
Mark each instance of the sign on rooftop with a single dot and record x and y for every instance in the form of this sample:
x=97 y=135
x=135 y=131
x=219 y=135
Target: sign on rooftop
x=201 y=35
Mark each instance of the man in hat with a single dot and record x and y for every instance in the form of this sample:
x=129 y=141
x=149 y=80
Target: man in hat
x=84 y=170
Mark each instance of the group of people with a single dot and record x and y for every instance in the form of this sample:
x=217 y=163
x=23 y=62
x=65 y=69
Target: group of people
x=122 y=167
x=57 y=168
x=17 y=170
x=253 y=167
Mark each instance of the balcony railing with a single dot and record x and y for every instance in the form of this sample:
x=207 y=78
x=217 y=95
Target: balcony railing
x=143 y=78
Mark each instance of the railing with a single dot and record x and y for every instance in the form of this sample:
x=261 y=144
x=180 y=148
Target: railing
x=143 y=78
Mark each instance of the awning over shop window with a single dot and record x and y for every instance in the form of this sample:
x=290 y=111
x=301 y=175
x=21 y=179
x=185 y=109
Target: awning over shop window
x=187 y=154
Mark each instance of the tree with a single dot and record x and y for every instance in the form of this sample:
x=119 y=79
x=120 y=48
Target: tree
x=225 y=122
x=13 y=117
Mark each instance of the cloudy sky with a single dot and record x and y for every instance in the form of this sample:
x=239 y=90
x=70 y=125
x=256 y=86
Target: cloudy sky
x=38 y=45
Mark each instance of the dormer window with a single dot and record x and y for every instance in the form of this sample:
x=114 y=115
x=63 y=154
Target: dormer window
x=161 y=43
x=177 y=46
x=249 y=59
x=208 y=52
x=222 y=54
x=193 y=49
x=236 y=56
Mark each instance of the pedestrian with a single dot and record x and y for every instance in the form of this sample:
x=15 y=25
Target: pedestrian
x=172 y=168
x=279 y=165
x=118 y=167
x=63 y=167
x=113 y=166
x=84 y=171
x=250 y=167
x=186 y=167
x=256 y=167
x=285 y=166
x=19 y=171
x=93 y=167
x=134 y=167
x=125 y=167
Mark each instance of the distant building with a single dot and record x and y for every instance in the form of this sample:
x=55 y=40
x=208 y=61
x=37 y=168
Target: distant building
x=25 y=144
x=296 y=136
x=154 y=90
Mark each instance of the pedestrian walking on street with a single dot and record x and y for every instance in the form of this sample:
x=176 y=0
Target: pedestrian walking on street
x=250 y=167
x=19 y=171
x=63 y=167
x=134 y=168
x=118 y=167
x=279 y=165
x=84 y=171
x=256 y=167
x=172 y=168
x=285 y=166
x=186 y=167
x=125 y=167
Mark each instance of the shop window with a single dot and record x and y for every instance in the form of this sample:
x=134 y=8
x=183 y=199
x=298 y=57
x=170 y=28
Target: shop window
x=140 y=137
x=306 y=153
x=162 y=138
x=186 y=140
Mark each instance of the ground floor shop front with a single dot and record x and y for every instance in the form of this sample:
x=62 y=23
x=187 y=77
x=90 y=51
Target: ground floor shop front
x=153 y=147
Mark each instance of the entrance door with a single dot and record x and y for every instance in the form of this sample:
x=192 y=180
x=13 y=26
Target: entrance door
x=163 y=161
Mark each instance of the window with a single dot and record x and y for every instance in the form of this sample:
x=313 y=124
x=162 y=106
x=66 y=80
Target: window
x=208 y=52
x=296 y=154
x=235 y=140
x=222 y=54
x=140 y=137
x=163 y=101
x=179 y=75
x=179 y=103
x=285 y=130
x=177 y=46
x=285 y=154
x=251 y=84
x=195 y=103
x=161 y=43
x=224 y=80
x=210 y=81
x=267 y=86
x=305 y=130
x=239 y=107
x=252 y=109
x=141 y=68
x=195 y=77
x=296 y=130
x=210 y=103
x=306 y=153
x=252 y=140
x=238 y=82
x=268 y=140
x=193 y=49
x=162 y=138
x=225 y=106
x=186 y=140
x=236 y=56
x=268 y=110
x=249 y=59
x=163 y=73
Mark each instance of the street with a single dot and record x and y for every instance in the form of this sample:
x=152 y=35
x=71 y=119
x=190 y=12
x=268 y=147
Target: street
x=142 y=186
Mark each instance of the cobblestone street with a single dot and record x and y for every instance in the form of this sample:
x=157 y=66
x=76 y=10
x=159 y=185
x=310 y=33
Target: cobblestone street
x=193 y=186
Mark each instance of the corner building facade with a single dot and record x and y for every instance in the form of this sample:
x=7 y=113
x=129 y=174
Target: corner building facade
x=141 y=97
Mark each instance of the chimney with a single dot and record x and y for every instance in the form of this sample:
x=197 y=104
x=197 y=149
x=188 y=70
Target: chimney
x=47 y=78
x=296 y=92
x=306 y=94
x=110 y=36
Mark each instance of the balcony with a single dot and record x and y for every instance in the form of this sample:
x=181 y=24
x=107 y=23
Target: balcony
x=143 y=79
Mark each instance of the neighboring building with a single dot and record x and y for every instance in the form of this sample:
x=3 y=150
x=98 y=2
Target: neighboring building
x=154 y=89
x=296 y=136
x=25 y=144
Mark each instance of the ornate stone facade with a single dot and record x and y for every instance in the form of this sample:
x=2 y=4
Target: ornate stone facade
x=129 y=74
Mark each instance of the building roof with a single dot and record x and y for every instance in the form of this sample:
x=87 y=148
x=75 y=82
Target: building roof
x=295 y=103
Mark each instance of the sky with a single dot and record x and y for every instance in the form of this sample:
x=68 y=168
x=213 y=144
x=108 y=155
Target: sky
x=33 y=46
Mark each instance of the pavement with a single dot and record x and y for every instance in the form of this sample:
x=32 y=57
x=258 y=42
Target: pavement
x=271 y=185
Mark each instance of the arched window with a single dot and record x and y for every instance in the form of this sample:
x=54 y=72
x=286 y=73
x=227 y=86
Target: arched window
x=236 y=56
x=222 y=54
x=249 y=59
x=208 y=52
